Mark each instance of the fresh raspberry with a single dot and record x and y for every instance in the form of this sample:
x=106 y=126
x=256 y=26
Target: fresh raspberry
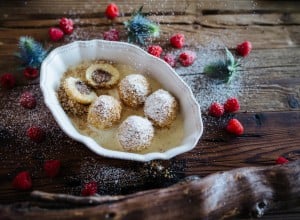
x=112 y=11
x=35 y=134
x=177 y=40
x=216 y=109
x=22 y=181
x=27 y=100
x=66 y=25
x=281 y=160
x=187 y=58
x=55 y=34
x=111 y=35
x=170 y=59
x=235 y=127
x=232 y=105
x=89 y=189
x=7 y=80
x=244 y=48
x=155 y=50
x=31 y=73
x=52 y=167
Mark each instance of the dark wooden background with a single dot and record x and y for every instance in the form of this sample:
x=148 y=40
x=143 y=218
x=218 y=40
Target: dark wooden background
x=270 y=93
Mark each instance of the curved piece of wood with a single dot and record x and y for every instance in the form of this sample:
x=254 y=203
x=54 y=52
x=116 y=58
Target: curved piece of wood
x=251 y=191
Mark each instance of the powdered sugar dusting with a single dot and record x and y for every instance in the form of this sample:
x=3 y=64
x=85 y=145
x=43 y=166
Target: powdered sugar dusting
x=104 y=111
x=16 y=120
x=104 y=105
x=159 y=107
x=115 y=178
x=134 y=89
x=205 y=89
x=135 y=133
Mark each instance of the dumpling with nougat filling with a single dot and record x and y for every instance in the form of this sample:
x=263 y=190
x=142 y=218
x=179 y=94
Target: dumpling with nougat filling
x=102 y=75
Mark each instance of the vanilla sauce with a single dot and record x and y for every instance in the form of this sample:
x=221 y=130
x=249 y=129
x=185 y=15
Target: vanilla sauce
x=164 y=138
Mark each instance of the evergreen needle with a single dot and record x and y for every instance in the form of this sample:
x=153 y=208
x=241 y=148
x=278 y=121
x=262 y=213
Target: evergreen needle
x=223 y=70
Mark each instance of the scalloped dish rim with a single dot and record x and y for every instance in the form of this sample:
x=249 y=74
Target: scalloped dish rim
x=49 y=87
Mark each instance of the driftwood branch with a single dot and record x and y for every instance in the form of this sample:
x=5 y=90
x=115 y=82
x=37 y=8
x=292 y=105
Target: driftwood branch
x=75 y=200
x=252 y=191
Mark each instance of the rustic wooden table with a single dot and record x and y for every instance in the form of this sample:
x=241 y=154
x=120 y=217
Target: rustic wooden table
x=267 y=85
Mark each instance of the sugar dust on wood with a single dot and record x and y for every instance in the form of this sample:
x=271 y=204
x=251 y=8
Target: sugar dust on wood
x=130 y=177
x=206 y=89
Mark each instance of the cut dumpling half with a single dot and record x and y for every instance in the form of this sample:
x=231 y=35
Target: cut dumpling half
x=102 y=75
x=78 y=91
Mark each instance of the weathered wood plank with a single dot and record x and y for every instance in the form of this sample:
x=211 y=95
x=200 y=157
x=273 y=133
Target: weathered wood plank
x=212 y=21
x=221 y=21
x=264 y=140
x=261 y=89
x=277 y=37
x=249 y=191
x=216 y=151
x=265 y=73
x=43 y=8
x=269 y=92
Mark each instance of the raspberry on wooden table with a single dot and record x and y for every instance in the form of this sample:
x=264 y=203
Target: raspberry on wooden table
x=7 y=80
x=281 y=160
x=89 y=189
x=55 y=34
x=31 y=73
x=27 y=100
x=187 y=58
x=111 y=35
x=155 y=50
x=112 y=11
x=35 y=134
x=244 y=48
x=216 y=109
x=232 y=105
x=170 y=59
x=22 y=181
x=177 y=40
x=66 y=25
x=52 y=167
x=235 y=127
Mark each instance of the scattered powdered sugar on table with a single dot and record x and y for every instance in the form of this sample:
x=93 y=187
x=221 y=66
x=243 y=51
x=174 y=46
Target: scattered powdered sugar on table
x=205 y=89
x=17 y=119
x=130 y=176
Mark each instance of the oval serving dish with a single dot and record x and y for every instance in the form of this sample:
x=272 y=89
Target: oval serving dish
x=64 y=57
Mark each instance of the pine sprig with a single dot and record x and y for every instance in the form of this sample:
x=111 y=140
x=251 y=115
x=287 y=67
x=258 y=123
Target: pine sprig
x=140 y=28
x=223 y=70
x=31 y=52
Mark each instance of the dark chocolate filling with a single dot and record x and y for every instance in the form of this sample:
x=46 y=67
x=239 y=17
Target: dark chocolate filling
x=82 y=88
x=101 y=76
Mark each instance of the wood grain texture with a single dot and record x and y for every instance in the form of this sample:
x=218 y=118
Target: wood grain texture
x=250 y=191
x=269 y=95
